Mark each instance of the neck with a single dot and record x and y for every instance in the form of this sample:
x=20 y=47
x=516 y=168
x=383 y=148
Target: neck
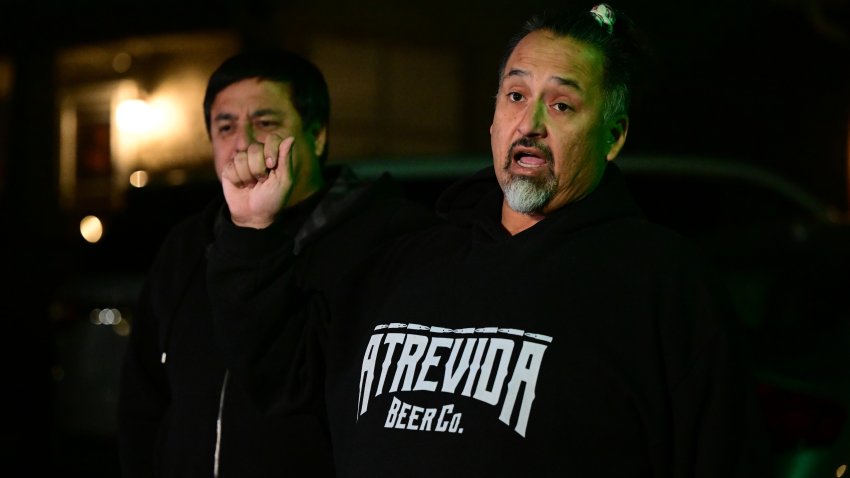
x=515 y=222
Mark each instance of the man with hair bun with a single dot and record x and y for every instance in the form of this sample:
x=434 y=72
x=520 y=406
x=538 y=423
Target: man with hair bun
x=545 y=328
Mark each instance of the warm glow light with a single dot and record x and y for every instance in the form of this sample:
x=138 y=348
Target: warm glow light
x=122 y=328
x=139 y=178
x=121 y=62
x=134 y=116
x=91 y=229
x=176 y=177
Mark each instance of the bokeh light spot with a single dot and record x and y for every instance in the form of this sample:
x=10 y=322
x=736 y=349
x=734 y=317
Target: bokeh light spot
x=91 y=229
x=139 y=178
x=122 y=62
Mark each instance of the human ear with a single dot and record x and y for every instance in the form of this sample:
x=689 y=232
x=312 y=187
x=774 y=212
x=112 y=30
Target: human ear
x=616 y=136
x=320 y=136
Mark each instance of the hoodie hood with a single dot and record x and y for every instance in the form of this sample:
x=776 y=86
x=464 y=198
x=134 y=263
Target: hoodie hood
x=462 y=202
x=343 y=197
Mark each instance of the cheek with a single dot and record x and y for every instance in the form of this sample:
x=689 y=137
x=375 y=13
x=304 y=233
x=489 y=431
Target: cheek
x=220 y=164
x=222 y=156
x=302 y=155
x=500 y=119
x=498 y=134
x=566 y=151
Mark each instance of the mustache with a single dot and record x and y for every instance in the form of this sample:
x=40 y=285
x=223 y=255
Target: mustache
x=527 y=142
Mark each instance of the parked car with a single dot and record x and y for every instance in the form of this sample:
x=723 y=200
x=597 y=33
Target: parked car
x=783 y=253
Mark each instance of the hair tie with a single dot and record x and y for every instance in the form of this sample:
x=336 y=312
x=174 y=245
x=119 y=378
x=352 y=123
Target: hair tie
x=604 y=16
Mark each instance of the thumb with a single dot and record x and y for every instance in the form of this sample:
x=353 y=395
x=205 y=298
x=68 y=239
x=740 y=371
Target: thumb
x=283 y=154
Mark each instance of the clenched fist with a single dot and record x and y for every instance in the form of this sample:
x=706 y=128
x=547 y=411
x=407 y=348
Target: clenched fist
x=258 y=182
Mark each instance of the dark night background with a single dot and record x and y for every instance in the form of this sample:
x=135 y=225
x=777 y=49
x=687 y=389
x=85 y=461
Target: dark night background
x=764 y=82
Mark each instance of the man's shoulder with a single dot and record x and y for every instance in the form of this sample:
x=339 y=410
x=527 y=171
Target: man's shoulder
x=381 y=201
x=348 y=225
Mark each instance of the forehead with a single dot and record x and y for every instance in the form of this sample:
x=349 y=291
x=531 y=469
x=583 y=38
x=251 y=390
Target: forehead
x=253 y=93
x=543 y=55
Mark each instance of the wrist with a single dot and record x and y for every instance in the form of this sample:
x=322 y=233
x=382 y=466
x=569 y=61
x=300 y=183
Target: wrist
x=252 y=222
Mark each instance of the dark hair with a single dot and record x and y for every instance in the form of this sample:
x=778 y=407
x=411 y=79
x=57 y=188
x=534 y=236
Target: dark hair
x=309 y=89
x=623 y=48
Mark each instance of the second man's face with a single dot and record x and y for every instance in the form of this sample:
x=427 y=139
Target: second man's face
x=247 y=112
x=548 y=137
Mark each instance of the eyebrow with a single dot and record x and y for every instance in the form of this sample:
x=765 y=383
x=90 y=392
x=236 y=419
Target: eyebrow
x=255 y=114
x=223 y=117
x=264 y=112
x=560 y=80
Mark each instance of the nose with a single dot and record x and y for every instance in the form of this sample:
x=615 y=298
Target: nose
x=533 y=121
x=244 y=137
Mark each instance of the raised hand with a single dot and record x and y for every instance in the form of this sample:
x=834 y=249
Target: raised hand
x=258 y=182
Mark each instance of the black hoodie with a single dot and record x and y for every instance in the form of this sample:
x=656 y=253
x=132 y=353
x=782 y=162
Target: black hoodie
x=592 y=344
x=182 y=413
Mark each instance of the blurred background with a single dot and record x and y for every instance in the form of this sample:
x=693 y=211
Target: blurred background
x=103 y=147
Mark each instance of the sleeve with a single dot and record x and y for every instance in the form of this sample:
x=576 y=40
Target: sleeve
x=270 y=329
x=143 y=393
x=273 y=327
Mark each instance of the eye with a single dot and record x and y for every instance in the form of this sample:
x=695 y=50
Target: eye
x=266 y=124
x=515 y=97
x=224 y=129
x=562 y=107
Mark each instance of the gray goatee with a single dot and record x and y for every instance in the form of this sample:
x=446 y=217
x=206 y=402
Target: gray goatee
x=525 y=195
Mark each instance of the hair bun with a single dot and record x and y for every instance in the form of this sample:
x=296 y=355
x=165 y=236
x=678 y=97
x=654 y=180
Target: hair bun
x=604 y=15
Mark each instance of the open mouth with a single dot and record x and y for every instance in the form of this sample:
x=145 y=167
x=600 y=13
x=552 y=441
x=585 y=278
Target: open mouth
x=529 y=158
